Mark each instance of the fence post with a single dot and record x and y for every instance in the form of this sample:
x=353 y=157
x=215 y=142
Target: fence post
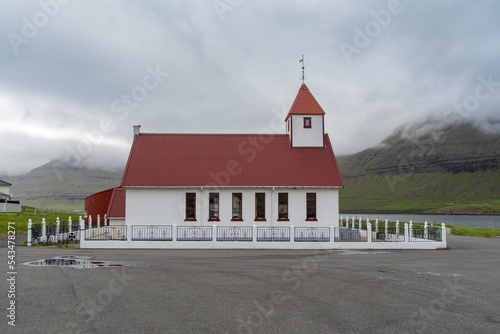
x=82 y=228
x=386 y=228
x=30 y=232
x=292 y=233
x=98 y=221
x=443 y=234
x=407 y=236
x=360 y=223
x=368 y=232
x=397 y=230
x=332 y=234
x=367 y=222
x=58 y=229
x=376 y=225
x=411 y=228
x=44 y=231
x=129 y=231
x=174 y=232
x=105 y=223
x=426 y=231
x=90 y=222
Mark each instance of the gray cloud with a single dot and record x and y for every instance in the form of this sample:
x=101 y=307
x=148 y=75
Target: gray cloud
x=233 y=71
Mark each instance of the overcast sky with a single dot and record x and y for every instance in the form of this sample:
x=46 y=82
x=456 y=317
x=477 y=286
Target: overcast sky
x=76 y=75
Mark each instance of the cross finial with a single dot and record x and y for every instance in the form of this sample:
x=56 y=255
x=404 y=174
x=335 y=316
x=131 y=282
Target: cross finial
x=303 y=67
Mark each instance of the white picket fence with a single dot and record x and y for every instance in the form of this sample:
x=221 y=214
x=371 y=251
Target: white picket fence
x=58 y=232
x=345 y=236
x=349 y=234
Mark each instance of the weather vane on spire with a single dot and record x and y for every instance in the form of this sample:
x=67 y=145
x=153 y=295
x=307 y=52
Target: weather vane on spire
x=303 y=67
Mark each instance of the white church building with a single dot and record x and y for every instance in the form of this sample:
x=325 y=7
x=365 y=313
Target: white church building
x=230 y=190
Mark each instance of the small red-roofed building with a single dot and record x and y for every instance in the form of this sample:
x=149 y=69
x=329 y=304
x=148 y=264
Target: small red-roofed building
x=108 y=205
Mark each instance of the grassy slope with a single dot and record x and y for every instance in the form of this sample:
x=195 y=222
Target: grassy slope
x=424 y=167
x=21 y=218
x=477 y=192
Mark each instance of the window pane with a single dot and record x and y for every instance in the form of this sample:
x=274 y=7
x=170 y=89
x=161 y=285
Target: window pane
x=237 y=205
x=311 y=205
x=213 y=210
x=307 y=122
x=260 y=206
x=283 y=205
x=190 y=205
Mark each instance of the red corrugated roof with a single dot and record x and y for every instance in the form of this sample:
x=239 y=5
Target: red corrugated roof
x=109 y=202
x=305 y=104
x=98 y=203
x=116 y=207
x=228 y=160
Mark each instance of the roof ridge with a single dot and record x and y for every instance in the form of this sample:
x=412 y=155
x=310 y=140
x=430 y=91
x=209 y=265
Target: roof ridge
x=305 y=104
x=211 y=134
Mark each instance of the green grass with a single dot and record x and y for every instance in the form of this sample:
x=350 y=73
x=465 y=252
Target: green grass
x=475 y=231
x=36 y=215
x=491 y=207
x=461 y=193
x=388 y=206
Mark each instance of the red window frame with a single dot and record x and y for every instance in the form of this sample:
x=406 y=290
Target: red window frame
x=311 y=207
x=260 y=207
x=307 y=122
x=190 y=207
x=239 y=207
x=213 y=207
x=283 y=215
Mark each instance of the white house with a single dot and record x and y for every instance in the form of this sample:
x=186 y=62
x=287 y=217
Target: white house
x=6 y=202
x=199 y=190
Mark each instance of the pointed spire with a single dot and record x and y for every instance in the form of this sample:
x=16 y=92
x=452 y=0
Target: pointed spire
x=305 y=104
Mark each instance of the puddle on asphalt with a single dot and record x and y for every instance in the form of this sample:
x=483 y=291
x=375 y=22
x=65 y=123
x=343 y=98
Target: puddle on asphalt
x=80 y=262
x=347 y=252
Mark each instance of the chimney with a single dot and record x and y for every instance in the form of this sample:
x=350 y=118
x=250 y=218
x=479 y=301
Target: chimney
x=137 y=130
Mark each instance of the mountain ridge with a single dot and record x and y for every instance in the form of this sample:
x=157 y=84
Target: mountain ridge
x=58 y=186
x=427 y=163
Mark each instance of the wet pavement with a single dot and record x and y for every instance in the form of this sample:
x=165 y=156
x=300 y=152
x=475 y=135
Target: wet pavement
x=255 y=291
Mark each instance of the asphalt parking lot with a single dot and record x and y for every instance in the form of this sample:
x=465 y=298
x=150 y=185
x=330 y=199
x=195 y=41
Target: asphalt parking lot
x=263 y=291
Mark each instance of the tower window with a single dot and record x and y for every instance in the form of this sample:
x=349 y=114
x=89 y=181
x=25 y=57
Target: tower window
x=307 y=122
